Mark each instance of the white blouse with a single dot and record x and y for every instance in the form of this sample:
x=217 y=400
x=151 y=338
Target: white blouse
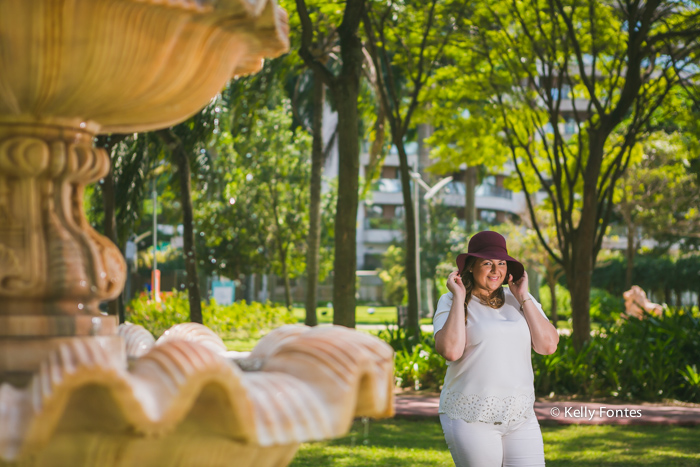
x=493 y=381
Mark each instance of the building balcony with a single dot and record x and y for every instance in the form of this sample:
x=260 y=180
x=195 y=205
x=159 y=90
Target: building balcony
x=495 y=191
x=381 y=236
x=383 y=223
x=379 y=197
x=387 y=185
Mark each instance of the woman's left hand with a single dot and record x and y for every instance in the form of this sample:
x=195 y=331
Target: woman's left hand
x=520 y=288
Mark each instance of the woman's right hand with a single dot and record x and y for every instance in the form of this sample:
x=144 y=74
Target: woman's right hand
x=455 y=285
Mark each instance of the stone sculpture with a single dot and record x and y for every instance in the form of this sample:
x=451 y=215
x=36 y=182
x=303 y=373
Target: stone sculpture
x=72 y=69
x=636 y=303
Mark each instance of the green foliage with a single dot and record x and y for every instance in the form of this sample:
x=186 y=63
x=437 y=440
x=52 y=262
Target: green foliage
x=606 y=308
x=563 y=300
x=395 y=288
x=416 y=363
x=169 y=259
x=648 y=359
x=653 y=273
x=240 y=319
x=258 y=220
x=659 y=192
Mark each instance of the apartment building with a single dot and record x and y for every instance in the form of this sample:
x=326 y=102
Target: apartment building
x=380 y=217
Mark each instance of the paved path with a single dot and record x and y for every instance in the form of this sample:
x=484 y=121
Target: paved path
x=567 y=413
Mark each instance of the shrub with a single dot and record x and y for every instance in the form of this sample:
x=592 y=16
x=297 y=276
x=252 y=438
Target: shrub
x=395 y=290
x=648 y=359
x=240 y=319
x=416 y=363
x=605 y=307
x=563 y=301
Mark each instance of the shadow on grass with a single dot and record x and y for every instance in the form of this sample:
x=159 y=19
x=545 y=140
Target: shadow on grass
x=587 y=446
x=419 y=442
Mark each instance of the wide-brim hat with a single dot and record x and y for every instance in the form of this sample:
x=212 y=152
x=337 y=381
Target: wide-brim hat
x=490 y=245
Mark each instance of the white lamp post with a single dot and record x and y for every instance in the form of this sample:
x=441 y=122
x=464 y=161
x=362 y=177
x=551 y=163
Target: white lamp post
x=430 y=192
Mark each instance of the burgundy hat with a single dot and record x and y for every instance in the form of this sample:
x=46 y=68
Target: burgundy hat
x=490 y=245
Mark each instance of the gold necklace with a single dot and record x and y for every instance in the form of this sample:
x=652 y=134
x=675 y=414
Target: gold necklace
x=490 y=301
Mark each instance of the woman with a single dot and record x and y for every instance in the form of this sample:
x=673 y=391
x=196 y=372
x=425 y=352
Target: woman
x=485 y=332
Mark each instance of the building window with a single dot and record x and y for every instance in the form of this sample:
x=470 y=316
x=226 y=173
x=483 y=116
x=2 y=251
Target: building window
x=565 y=92
x=372 y=261
x=455 y=188
x=383 y=217
x=488 y=216
x=387 y=185
x=374 y=210
x=570 y=126
x=390 y=172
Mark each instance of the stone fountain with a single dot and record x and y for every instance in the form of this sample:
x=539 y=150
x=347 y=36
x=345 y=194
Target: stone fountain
x=75 y=389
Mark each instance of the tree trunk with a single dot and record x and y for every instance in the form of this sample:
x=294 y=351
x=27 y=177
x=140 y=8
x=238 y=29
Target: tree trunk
x=346 y=90
x=115 y=307
x=583 y=248
x=631 y=250
x=285 y=279
x=470 y=179
x=314 y=239
x=110 y=230
x=250 y=288
x=345 y=261
x=631 y=247
x=412 y=321
x=183 y=168
x=552 y=284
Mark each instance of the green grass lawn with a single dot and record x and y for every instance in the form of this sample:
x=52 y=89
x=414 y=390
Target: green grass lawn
x=241 y=345
x=381 y=315
x=420 y=442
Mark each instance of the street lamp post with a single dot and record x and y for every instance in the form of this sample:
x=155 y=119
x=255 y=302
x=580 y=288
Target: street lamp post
x=430 y=192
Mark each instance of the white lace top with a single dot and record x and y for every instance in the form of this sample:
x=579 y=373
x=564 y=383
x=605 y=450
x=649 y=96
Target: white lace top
x=493 y=381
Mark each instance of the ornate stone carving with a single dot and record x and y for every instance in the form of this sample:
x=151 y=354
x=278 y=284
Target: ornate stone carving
x=137 y=340
x=128 y=65
x=181 y=395
x=71 y=70
x=61 y=263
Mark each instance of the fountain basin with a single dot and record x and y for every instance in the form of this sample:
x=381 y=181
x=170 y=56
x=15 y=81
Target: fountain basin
x=182 y=402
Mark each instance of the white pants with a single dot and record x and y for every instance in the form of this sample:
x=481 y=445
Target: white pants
x=479 y=444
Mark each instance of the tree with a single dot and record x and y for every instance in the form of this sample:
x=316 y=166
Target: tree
x=407 y=40
x=614 y=65
x=263 y=208
x=466 y=133
x=186 y=143
x=314 y=237
x=658 y=195
x=393 y=276
x=344 y=85
x=524 y=245
x=118 y=206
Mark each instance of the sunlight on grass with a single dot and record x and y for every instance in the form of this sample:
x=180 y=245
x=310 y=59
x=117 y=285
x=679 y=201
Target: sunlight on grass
x=380 y=315
x=420 y=442
x=241 y=345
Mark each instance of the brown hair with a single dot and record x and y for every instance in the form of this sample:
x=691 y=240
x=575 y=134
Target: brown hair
x=468 y=281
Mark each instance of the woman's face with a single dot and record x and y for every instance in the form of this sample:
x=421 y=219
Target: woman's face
x=489 y=274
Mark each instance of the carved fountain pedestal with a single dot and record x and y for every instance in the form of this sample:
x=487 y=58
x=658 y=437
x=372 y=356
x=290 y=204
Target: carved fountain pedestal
x=73 y=69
